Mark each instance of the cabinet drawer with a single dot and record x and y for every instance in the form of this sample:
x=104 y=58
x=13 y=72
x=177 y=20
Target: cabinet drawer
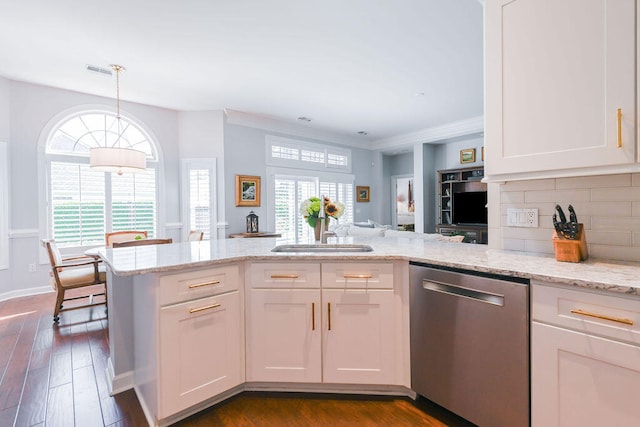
x=284 y=275
x=180 y=287
x=593 y=313
x=357 y=275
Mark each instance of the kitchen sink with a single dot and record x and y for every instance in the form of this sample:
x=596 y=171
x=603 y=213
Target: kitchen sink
x=322 y=248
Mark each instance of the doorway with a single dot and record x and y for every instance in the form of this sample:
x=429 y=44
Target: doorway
x=402 y=215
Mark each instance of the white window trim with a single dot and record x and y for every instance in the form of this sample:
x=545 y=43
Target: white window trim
x=186 y=166
x=272 y=172
x=4 y=206
x=43 y=173
x=272 y=140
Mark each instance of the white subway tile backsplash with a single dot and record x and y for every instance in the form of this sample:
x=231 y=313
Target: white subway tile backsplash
x=607 y=205
x=562 y=197
x=626 y=194
x=537 y=184
x=617 y=238
x=598 y=181
x=621 y=223
x=512 y=197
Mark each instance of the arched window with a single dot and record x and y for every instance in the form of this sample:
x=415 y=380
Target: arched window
x=84 y=204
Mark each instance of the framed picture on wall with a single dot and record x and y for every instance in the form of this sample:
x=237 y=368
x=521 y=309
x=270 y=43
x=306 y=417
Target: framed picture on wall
x=468 y=155
x=362 y=193
x=247 y=190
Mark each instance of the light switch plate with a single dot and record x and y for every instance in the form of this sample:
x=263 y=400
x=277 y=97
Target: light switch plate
x=522 y=217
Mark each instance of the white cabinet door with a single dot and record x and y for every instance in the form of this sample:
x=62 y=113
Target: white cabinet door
x=358 y=342
x=200 y=351
x=583 y=380
x=283 y=335
x=557 y=71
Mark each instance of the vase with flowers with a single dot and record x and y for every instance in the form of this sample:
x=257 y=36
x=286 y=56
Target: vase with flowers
x=310 y=210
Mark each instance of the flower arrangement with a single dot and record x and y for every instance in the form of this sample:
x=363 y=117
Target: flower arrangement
x=310 y=209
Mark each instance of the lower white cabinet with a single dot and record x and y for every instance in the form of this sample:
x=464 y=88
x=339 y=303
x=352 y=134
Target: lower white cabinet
x=200 y=353
x=358 y=335
x=284 y=335
x=342 y=330
x=585 y=359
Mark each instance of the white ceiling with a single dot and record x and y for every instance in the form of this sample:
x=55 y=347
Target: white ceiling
x=349 y=65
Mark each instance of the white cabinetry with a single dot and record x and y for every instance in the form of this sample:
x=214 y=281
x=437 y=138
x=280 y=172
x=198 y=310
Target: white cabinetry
x=283 y=323
x=585 y=358
x=358 y=323
x=557 y=71
x=329 y=322
x=191 y=323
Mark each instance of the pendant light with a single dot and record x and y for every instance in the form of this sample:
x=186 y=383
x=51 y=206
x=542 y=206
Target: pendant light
x=117 y=158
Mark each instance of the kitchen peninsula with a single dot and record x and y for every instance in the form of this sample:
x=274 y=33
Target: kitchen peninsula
x=150 y=286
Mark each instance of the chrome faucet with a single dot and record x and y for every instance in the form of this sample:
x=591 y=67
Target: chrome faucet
x=322 y=217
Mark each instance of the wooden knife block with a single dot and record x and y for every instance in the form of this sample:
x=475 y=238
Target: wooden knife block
x=568 y=250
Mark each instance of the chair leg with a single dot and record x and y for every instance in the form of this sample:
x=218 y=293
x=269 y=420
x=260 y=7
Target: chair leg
x=58 y=306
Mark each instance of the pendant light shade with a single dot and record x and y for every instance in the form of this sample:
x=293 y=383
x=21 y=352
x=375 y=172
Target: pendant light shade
x=116 y=158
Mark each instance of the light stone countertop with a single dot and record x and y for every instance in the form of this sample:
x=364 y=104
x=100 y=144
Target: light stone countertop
x=613 y=276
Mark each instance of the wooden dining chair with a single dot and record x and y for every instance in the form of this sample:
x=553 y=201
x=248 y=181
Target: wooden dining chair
x=72 y=273
x=195 y=235
x=141 y=242
x=123 y=236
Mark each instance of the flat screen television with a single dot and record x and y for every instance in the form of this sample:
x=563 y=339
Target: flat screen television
x=470 y=208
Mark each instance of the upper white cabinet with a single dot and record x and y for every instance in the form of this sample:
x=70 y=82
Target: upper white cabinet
x=557 y=73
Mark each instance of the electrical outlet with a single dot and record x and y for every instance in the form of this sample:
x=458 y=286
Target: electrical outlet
x=32 y=268
x=522 y=217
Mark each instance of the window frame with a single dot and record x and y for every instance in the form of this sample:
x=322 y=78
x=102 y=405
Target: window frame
x=295 y=144
x=44 y=166
x=186 y=166
x=316 y=176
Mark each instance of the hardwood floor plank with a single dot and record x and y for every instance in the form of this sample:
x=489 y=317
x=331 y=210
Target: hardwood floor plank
x=61 y=372
x=15 y=374
x=87 y=410
x=60 y=406
x=33 y=403
x=8 y=416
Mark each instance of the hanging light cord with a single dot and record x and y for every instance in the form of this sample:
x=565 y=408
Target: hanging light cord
x=117 y=69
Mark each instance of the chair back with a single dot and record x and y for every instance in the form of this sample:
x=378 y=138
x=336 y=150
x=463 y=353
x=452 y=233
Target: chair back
x=142 y=242
x=52 y=250
x=123 y=236
x=195 y=235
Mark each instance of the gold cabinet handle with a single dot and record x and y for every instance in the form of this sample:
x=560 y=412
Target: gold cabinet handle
x=313 y=316
x=603 y=316
x=284 y=276
x=329 y=314
x=357 y=276
x=199 y=285
x=619 y=127
x=207 y=307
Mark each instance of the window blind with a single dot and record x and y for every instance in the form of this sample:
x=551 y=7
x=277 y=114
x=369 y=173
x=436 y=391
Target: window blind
x=133 y=201
x=200 y=201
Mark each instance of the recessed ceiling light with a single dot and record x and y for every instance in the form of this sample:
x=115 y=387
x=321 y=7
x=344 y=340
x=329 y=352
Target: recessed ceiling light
x=99 y=70
x=363 y=133
x=418 y=94
x=304 y=119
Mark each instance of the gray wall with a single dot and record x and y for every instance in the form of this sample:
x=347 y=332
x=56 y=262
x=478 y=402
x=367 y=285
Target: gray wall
x=31 y=108
x=244 y=154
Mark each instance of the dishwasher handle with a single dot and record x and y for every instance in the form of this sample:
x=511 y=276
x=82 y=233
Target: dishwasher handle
x=460 y=291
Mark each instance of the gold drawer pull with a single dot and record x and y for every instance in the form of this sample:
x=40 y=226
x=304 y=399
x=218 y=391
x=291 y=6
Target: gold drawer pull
x=313 y=316
x=199 y=285
x=329 y=314
x=207 y=307
x=603 y=316
x=619 y=127
x=358 y=276
x=284 y=276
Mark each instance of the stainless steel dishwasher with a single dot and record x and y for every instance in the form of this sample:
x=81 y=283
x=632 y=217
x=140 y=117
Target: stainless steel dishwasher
x=470 y=344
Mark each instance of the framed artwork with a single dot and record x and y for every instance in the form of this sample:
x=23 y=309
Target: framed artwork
x=468 y=155
x=362 y=193
x=483 y=153
x=247 y=190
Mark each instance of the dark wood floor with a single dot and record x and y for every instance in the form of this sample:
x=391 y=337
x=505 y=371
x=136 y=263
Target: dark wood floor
x=54 y=375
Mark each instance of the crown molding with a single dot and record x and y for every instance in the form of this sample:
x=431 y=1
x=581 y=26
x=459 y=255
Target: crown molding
x=437 y=133
x=241 y=118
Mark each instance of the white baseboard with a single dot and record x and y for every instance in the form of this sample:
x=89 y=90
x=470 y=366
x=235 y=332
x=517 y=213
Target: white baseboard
x=25 y=292
x=118 y=384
